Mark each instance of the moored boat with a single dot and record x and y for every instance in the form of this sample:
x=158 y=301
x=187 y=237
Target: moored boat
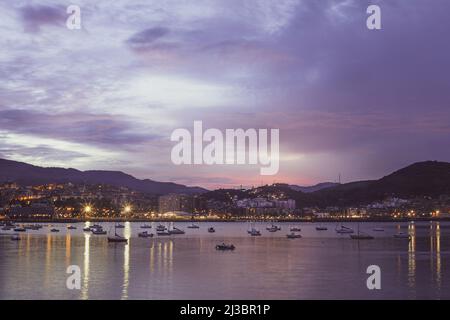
x=344 y=229
x=293 y=235
x=224 y=247
x=211 y=230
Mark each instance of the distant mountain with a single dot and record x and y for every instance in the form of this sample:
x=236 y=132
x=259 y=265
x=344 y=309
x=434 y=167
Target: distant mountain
x=422 y=179
x=26 y=174
x=316 y=187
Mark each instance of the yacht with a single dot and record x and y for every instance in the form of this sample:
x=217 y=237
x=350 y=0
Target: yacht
x=98 y=231
x=293 y=235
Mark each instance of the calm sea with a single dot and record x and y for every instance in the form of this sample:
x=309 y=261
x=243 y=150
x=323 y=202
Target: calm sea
x=320 y=265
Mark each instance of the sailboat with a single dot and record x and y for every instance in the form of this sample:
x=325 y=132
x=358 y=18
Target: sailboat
x=116 y=237
x=361 y=235
x=175 y=230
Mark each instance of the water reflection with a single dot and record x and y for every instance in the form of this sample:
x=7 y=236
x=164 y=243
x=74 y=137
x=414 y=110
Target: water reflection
x=412 y=255
x=85 y=287
x=126 y=261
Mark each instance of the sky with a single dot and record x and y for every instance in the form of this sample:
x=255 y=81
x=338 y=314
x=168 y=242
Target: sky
x=346 y=100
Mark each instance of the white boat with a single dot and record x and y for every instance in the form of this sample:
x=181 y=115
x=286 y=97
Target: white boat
x=98 y=231
x=161 y=227
x=175 y=230
x=272 y=229
x=163 y=233
x=293 y=235
x=344 y=229
x=193 y=226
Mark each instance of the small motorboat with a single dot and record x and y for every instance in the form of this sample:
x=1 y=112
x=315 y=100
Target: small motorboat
x=321 y=228
x=272 y=229
x=15 y=237
x=161 y=227
x=146 y=226
x=295 y=229
x=193 y=226
x=224 y=247
x=119 y=226
x=402 y=235
x=54 y=230
x=20 y=229
x=98 y=231
x=145 y=234
x=255 y=232
x=71 y=228
x=344 y=229
x=176 y=231
x=378 y=229
x=211 y=230
x=293 y=235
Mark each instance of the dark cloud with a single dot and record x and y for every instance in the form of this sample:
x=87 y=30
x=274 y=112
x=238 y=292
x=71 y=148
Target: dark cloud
x=95 y=129
x=35 y=16
x=146 y=39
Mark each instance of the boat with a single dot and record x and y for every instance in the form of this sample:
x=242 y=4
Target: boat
x=161 y=227
x=254 y=232
x=402 y=235
x=344 y=229
x=193 y=226
x=54 y=230
x=87 y=229
x=145 y=234
x=378 y=229
x=293 y=235
x=321 y=228
x=146 y=226
x=71 y=228
x=224 y=247
x=295 y=229
x=98 y=231
x=119 y=226
x=273 y=228
x=163 y=233
x=116 y=237
x=211 y=230
x=361 y=236
x=15 y=237
x=20 y=229
x=175 y=230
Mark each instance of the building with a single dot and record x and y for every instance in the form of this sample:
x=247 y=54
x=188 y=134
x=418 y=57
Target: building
x=37 y=211
x=176 y=202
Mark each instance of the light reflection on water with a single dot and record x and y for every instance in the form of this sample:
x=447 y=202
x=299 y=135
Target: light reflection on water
x=320 y=265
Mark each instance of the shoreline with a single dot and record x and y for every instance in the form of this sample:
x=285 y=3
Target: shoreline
x=293 y=220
